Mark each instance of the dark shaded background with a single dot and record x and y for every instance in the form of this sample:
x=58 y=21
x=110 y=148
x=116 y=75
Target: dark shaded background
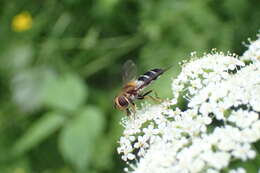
x=59 y=76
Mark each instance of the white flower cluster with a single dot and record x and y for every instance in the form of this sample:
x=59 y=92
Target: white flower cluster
x=253 y=52
x=219 y=124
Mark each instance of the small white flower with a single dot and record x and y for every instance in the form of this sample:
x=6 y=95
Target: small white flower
x=253 y=52
x=238 y=170
x=130 y=156
x=212 y=171
x=142 y=142
x=244 y=152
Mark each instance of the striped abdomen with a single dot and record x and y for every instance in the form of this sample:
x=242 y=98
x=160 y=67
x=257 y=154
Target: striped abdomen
x=148 y=77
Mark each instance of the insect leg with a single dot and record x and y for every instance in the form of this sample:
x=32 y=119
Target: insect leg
x=133 y=106
x=143 y=95
x=131 y=110
x=154 y=99
x=148 y=92
x=128 y=113
x=156 y=95
x=140 y=97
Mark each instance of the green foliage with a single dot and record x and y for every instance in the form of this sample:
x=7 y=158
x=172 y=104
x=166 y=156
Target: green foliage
x=67 y=55
x=78 y=139
x=67 y=92
x=38 y=132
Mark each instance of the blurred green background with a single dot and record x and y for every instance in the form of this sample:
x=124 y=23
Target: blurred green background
x=60 y=67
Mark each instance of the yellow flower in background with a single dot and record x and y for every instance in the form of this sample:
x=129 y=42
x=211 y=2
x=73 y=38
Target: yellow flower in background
x=22 y=22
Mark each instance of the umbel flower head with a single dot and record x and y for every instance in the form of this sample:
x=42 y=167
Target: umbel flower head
x=218 y=128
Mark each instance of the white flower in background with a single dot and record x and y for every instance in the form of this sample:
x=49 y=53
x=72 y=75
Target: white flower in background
x=239 y=170
x=253 y=52
x=219 y=126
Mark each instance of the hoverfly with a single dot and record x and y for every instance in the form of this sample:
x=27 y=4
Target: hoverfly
x=132 y=88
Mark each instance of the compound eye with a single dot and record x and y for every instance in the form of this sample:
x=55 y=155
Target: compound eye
x=123 y=101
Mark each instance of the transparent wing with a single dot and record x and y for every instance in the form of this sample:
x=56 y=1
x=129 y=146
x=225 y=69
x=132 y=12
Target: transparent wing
x=129 y=71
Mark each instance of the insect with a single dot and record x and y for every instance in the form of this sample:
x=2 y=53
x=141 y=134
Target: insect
x=132 y=89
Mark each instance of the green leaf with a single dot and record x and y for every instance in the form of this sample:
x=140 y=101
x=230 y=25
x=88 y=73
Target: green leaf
x=78 y=139
x=67 y=92
x=17 y=165
x=39 y=131
x=105 y=152
x=17 y=57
